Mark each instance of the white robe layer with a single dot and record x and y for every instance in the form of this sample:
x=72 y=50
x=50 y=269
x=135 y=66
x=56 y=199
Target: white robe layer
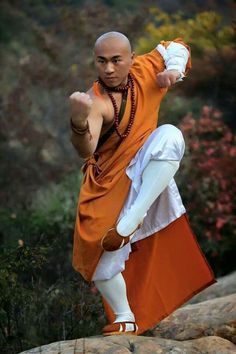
x=165 y=143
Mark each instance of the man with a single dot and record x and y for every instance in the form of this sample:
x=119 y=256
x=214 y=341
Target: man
x=132 y=236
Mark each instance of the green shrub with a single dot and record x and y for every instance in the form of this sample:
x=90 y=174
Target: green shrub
x=42 y=298
x=207 y=183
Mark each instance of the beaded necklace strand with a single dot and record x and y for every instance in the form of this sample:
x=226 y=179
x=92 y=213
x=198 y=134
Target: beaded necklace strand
x=109 y=90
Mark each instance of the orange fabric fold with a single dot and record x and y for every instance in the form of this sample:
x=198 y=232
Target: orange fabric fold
x=165 y=271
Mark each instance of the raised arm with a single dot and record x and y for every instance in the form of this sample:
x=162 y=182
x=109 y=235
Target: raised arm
x=86 y=123
x=165 y=65
x=176 y=55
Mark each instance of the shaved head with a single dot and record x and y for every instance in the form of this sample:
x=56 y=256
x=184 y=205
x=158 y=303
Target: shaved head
x=111 y=36
x=113 y=58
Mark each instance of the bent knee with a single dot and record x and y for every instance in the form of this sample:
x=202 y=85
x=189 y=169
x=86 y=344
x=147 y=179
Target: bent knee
x=173 y=137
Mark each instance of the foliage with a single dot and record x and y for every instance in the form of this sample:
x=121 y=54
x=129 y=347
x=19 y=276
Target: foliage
x=46 y=52
x=211 y=39
x=174 y=107
x=41 y=298
x=206 y=31
x=209 y=168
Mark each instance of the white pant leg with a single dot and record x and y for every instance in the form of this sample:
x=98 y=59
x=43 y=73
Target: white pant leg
x=165 y=143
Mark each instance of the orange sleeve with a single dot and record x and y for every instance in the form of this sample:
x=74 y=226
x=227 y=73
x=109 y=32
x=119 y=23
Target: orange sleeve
x=147 y=66
x=145 y=69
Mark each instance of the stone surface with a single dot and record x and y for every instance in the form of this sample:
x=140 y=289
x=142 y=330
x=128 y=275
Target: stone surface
x=137 y=345
x=199 y=327
x=216 y=317
x=225 y=286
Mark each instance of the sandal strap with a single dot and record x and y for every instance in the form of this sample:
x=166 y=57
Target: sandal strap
x=122 y=327
x=128 y=327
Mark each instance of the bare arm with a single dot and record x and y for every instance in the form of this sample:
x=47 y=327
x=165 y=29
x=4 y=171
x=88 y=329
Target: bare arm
x=85 y=109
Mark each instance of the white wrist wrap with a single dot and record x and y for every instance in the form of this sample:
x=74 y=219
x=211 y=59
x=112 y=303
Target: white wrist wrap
x=175 y=57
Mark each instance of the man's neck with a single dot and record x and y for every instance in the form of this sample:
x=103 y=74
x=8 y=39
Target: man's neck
x=123 y=86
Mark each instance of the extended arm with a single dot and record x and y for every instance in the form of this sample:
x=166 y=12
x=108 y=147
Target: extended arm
x=176 y=57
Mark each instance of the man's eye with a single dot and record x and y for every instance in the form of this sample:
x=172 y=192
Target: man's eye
x=101 y=61
x=116 y=60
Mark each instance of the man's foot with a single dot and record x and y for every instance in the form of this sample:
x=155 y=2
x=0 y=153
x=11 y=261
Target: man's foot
x=119 y=328
x=113 y=241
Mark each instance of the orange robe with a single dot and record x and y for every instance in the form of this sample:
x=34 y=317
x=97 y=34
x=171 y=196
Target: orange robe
x=168 y=267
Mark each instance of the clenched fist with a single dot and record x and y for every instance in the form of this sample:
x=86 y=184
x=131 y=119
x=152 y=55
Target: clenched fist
x=167 y=78
x=81 y=105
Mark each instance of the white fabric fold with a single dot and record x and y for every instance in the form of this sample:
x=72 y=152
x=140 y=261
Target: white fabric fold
x=165 y=143
x=175 y=56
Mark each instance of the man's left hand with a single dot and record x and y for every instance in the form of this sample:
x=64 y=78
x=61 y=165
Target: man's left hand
x=167 y=78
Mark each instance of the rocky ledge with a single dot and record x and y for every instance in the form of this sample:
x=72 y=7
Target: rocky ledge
x=206 y=325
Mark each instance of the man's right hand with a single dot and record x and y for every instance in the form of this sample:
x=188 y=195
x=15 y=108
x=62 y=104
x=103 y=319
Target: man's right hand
x=81 y=105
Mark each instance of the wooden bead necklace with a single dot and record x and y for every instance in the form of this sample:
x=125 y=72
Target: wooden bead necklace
x=123 y=89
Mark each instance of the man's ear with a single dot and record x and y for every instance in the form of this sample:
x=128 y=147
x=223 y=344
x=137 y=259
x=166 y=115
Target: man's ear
x=132 y=56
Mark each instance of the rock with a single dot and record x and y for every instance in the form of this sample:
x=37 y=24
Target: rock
x=206 y=327
x=138 y=345
x=225 y=286
x=215 y=317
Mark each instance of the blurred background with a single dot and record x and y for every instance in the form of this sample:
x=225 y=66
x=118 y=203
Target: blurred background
x=46 y=54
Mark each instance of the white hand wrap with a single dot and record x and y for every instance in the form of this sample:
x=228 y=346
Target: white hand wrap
x=175 y=57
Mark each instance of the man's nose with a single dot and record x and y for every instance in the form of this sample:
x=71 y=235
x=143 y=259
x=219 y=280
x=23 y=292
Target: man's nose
x=109 y=68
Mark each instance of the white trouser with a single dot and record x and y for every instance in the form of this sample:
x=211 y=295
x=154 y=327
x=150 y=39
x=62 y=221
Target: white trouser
x=165 y=143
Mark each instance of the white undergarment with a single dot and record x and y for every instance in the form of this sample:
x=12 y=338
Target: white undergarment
x=167 y=207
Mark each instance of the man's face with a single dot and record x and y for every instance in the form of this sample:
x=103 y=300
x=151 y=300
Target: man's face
x=113 y=60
